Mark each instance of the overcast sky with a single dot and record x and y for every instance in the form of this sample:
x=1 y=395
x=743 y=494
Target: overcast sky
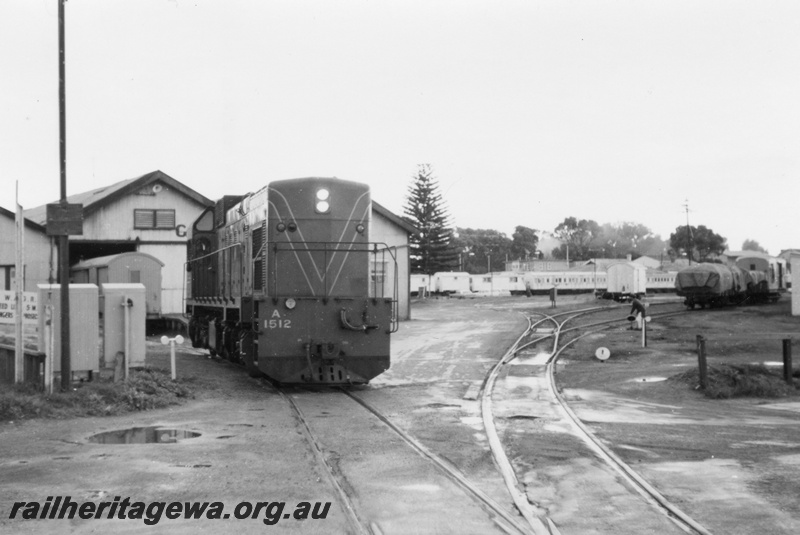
x=529 y=111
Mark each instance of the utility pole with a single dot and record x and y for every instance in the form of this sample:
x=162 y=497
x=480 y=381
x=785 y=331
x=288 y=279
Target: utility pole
x=688 y=233
x=63 y=240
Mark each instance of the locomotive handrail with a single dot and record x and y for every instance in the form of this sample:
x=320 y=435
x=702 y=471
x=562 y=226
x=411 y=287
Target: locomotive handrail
x=371 y=248
x=346 y=323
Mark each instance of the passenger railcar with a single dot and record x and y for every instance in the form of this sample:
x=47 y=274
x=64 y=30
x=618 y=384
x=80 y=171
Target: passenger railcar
x=575 y=281
x=497 y=284
x=451 y=282
x=660 y=281
x=286 y=281
x=771 y=282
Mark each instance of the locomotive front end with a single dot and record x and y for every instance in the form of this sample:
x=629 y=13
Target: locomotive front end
x=326 y=313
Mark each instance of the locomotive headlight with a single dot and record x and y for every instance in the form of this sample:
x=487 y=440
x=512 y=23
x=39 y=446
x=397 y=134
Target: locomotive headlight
x=360 y=228
x=323 y=204
x=290 y=303
x=281 y=227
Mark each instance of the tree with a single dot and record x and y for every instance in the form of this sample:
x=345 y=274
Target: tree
x=699 y=243
x=577 y=235
x=753 y=245
x=524 y=242
x=482 y=250
x=628 y=238
x=431 y=250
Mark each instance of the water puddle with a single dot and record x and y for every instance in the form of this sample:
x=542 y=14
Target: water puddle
x=647 y=380
x=142 y=435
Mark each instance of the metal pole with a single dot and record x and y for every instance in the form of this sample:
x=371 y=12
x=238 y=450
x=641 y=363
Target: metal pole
x=48 y=352
x=19 y=270
x=787 y=360
x=701 y=361
x=127 y=326
x=63 y=241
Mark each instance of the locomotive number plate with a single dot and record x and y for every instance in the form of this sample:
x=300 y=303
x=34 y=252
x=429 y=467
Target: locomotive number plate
x=277 y=324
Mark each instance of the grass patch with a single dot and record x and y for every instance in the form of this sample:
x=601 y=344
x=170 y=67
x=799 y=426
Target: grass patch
x=746 y=380
x=146 y=389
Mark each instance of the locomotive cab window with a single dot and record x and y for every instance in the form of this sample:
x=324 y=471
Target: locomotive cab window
x=206 y=221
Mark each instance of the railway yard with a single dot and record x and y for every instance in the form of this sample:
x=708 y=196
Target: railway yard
x=496 y=416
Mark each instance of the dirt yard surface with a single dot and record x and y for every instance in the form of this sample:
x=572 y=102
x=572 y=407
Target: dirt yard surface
x=734 y=465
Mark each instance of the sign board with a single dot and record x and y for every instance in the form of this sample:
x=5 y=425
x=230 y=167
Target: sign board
x=30 y=307
x=64 y=219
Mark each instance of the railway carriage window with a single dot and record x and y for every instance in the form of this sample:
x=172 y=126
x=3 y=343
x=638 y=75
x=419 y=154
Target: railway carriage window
x=153 y=219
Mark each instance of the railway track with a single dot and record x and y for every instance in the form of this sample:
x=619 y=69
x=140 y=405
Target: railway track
x=535 y=335
x=357 y=518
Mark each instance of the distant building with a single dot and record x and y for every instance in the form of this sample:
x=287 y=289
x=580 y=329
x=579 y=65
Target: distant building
x=148 y=214
x=36 y=253
x=648 y=262
x=394 y=231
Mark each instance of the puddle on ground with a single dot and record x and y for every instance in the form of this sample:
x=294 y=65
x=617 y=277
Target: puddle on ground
x=647 y=380
x=142 y=435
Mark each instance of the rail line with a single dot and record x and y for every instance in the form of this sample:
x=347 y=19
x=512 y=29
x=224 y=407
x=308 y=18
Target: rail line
x=649 y=492
x=542 y=523
x=501 y=518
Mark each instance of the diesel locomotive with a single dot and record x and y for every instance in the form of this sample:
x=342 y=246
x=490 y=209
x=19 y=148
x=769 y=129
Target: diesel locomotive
x=286 y=281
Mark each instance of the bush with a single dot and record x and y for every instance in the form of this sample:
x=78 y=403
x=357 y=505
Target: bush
x=747 y=380
x=145 y=389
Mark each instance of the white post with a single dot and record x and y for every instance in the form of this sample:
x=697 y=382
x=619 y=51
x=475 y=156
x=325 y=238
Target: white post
x=19 y=279
x=48 y=349
x=172 y=341
x=127 y=327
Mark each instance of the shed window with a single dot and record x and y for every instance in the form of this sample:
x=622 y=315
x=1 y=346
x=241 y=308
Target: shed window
x=154 y=219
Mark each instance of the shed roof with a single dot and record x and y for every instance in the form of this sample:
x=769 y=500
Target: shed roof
x=97 y=198
x=105 y=260
x=397 y=220
x=28 y=222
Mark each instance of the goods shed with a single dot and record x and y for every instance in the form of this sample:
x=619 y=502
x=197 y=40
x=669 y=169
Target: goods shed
x=124 y=268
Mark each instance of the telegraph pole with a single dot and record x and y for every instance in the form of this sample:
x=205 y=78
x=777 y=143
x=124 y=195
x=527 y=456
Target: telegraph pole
x=63 y=240
x=688 y=233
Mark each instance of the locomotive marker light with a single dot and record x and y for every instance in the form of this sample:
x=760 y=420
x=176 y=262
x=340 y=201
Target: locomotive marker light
x=171 y=342
x=290 y=303
x=323 y=206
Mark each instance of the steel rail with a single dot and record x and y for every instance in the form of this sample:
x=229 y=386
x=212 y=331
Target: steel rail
x=359 y=526
x=503 y=519
x=650 y=493
x=536 y=517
